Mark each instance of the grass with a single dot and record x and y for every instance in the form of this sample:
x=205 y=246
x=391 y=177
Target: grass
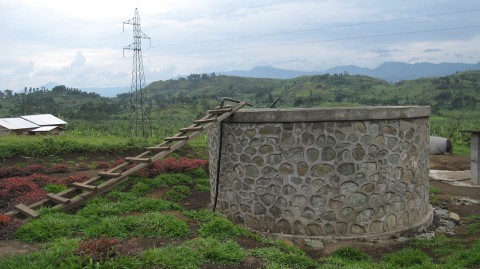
x=127 y=213
x=473 y=224
x=276 y=258
x=57 y=254
x=440 y=244
x=177 y=193
x=54 y=188
x=434 y=200
x=202 y=185
x=408 y=258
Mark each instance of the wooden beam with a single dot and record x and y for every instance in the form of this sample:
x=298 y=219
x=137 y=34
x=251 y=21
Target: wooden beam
x=108 y=174
x=192 y=129
x=162 y=148
x=27 y=210
x=176 y=138
x=57 y=198
x=205 y=121
x=138 y=160
x=219 y=111
x=84 y=187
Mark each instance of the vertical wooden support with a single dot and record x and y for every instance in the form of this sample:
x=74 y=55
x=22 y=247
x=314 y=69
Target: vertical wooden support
x=475 y=154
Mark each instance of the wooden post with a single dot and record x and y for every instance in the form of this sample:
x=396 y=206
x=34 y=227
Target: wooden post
x=475 y=153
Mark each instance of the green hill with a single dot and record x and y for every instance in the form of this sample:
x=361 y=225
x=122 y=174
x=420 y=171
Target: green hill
x=176 y=102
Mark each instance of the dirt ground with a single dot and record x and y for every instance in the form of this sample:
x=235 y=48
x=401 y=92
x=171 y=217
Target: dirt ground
x=375 y=248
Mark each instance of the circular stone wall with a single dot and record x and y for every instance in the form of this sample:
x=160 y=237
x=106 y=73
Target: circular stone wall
x=341 y=172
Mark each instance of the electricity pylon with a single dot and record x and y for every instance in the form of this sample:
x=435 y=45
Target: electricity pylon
x=139 y=107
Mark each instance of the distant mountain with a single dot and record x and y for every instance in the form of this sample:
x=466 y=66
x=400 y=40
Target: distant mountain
x=388 y=71
x=268 y=72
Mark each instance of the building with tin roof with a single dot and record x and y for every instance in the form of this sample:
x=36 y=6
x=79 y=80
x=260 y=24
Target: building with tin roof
x=32 y=124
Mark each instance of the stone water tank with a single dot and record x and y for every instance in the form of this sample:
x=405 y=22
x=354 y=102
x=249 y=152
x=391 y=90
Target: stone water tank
x=323 y=172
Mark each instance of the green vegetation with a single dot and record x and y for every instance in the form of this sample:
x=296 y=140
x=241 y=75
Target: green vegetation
x=277 y=258
x=473 y=224
x=98 y=235
x=54 y=188
x=101 y=124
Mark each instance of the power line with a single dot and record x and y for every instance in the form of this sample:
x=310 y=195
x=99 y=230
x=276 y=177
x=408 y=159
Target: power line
x=322 y=41
x=317 y=29
x=218 y=14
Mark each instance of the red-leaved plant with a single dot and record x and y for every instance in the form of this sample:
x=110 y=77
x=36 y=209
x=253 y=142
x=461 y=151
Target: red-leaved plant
x=171 y=165
x=102 y=248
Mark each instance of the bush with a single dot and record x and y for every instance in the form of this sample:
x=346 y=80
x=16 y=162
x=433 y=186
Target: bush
x=171 y=165
x=16 y=190
x=8 y=226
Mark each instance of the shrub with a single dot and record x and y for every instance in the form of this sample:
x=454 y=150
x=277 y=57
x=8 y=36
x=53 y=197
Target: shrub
x=171 y=165
x=8 y=226
x=82 y=167
x=59 y=168
x=19 y=190
x=98 y=249
x=102 y=165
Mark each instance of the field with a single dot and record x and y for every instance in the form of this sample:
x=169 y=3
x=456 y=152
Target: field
x=163 y=221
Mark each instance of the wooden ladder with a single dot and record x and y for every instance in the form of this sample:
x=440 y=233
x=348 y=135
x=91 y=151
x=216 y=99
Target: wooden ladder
x=79 y=193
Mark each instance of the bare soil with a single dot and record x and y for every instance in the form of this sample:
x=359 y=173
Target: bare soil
x=375 y=248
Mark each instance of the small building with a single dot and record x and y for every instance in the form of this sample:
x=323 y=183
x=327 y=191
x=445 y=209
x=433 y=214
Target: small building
x=33 y=124
x=16 y=126
x=50 y=130
x=45 y=120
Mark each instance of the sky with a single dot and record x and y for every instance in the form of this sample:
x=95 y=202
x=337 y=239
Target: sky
x=80 y=43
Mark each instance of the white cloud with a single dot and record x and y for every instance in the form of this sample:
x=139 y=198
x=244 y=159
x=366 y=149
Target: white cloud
x=79 y=43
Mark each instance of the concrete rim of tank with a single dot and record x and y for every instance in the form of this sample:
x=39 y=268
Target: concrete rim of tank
x=329 y=114
x=415 y=227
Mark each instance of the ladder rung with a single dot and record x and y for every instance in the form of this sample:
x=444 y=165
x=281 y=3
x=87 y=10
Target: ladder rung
x=27 y=210
x=138 y=160
x=162 y=148
x=107 y=174
x=205 y=121
x=220 y=111
x=176 y=138
x=84 y=186
x=58 y=199
x=192 y=129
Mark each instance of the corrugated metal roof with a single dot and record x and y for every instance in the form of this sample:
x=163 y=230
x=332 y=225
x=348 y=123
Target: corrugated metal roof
x=44 y=129
x=44 y=119
x=17 y=123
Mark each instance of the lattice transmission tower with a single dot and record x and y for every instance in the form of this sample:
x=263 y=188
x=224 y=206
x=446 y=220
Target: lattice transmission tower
x=139 y=105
